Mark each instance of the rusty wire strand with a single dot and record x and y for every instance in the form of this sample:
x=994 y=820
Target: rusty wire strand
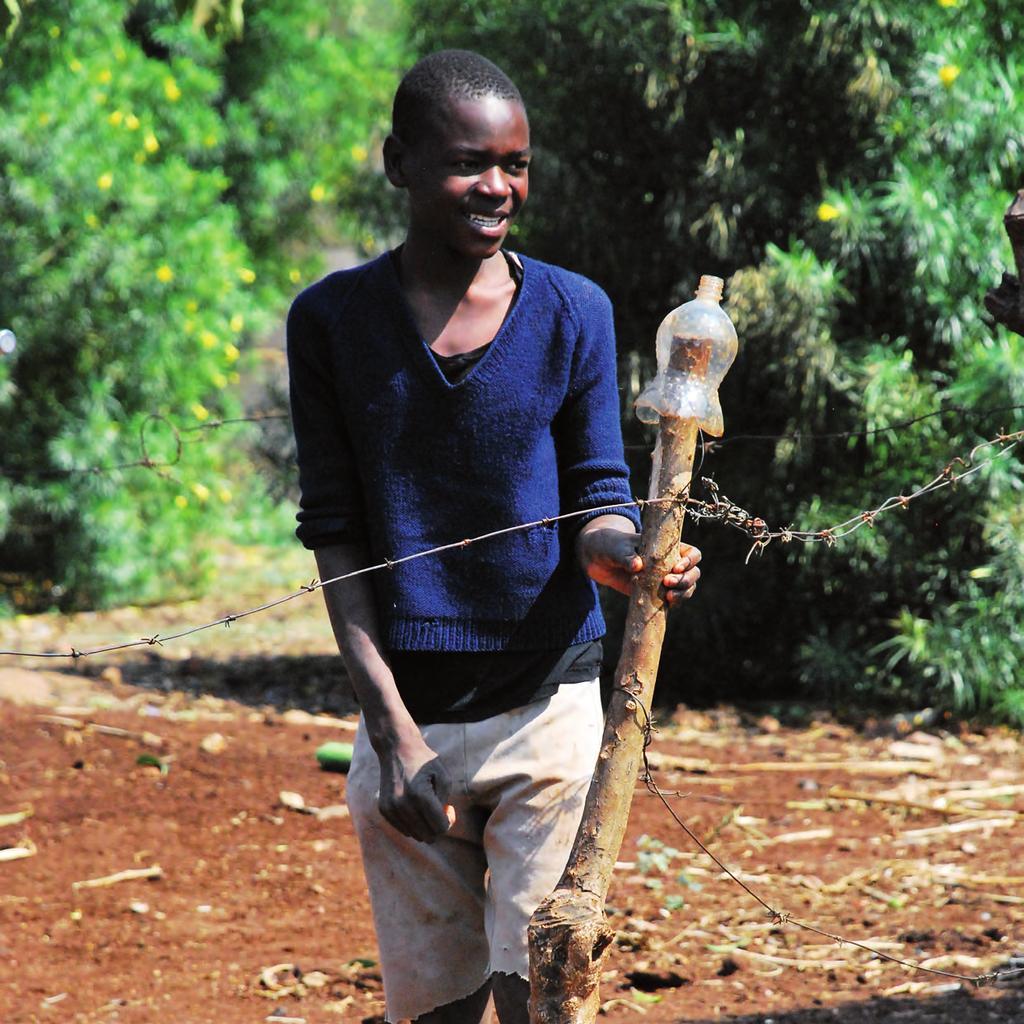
x=145 y=460
x=708 y=446
x=782 y=917
x=718 y=509
x=316 y=584
x=954 y=410
x=721 y=509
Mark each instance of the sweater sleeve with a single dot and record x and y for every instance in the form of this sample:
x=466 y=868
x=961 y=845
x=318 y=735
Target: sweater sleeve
x=588 y=434
x=330 y=501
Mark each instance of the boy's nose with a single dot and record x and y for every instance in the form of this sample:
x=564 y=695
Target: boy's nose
x=494 y=181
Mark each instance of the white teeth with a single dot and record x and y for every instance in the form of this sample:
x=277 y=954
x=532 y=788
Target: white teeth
x=483 y=222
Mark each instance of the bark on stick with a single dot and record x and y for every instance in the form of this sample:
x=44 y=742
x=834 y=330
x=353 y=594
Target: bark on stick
x=1006 y=302
x=569 y=932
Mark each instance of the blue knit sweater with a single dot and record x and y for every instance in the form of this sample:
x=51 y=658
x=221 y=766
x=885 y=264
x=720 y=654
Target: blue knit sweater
x=394 y=456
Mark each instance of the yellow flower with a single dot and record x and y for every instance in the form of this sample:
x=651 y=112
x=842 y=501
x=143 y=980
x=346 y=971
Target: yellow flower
x=231 y=352
x=209 y=141
x=104 y=76
x=246 y=275
x=131 y=122
x=75 y=65
x=218 y=380
x=191 y=306
x=827 y=212
x=948 y=74
x=294 y=276
x=54 y=30
x=317 y=193
x=43 y=119
x=149 y=143
x=208 y=339
x=359 y=153
x=223 y=493
x=201 y=491
x=181 y=501
x=237 y=322
x=949 y=3
x=105 y=180
x=171 y=90
x=91 y=220
x=200 y=411
x=164 y=274
x=116 y=117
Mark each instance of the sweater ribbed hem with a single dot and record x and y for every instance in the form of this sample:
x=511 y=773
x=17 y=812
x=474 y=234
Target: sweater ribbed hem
x=437 y=634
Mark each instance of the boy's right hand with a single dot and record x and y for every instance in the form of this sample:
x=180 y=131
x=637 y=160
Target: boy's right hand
x=414 y=788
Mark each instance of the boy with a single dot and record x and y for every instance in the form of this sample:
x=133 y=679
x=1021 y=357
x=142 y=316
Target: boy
x=444 y=390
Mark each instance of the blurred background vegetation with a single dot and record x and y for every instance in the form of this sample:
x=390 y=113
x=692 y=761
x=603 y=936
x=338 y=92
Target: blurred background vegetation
x=171 y=172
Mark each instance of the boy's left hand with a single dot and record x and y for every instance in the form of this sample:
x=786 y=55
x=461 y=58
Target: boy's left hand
x=607 y=549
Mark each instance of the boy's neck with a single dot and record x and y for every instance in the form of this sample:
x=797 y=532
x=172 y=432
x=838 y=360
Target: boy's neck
x=426 y=266
x=458 y=303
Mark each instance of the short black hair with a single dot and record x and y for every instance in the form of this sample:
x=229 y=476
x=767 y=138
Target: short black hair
x=442 y=76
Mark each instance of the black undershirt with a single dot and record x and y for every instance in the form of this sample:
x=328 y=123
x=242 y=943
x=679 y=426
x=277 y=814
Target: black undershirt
x=467 y=686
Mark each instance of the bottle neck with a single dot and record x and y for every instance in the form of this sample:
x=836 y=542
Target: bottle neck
x=710 y=288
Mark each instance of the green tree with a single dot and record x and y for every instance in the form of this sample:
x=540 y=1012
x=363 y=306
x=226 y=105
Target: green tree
x=162 y=165
x=846 y=165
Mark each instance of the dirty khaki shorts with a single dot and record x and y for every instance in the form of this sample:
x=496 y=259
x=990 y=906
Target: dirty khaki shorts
x=451 y=913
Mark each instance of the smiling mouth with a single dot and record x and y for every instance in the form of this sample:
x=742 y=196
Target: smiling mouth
x=479 y=220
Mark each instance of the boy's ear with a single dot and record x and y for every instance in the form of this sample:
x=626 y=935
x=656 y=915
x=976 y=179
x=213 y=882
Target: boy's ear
x=394 y=154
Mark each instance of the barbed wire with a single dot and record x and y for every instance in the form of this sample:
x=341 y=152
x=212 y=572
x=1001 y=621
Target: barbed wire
x=145 y=459
x=798 y=436
x=782 y=917
x=316 y=584
x=718 y=508
x=708 y=446
x=721 y=509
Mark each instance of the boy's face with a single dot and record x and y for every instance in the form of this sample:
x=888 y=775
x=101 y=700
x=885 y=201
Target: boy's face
x=467 y=174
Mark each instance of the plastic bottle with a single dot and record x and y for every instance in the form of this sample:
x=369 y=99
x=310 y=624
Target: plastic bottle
x=696 y=345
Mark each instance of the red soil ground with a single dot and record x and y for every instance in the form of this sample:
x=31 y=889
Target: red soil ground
x=914 y=850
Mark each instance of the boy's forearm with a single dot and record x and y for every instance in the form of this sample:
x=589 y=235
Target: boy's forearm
x=353 y=618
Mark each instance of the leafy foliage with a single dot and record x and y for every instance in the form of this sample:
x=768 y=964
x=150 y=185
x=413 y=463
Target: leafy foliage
x=847 y=165
x=157 y=180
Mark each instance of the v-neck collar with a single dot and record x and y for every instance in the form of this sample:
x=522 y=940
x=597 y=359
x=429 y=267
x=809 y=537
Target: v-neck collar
x=423 y=355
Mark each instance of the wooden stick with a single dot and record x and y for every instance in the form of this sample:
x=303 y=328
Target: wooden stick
x=658 y=761
x=951 y=810
x=147 y=738
x=15 y=817
x=953 y=828
x=129 y=875
x=568 y=933
x=26 y=849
